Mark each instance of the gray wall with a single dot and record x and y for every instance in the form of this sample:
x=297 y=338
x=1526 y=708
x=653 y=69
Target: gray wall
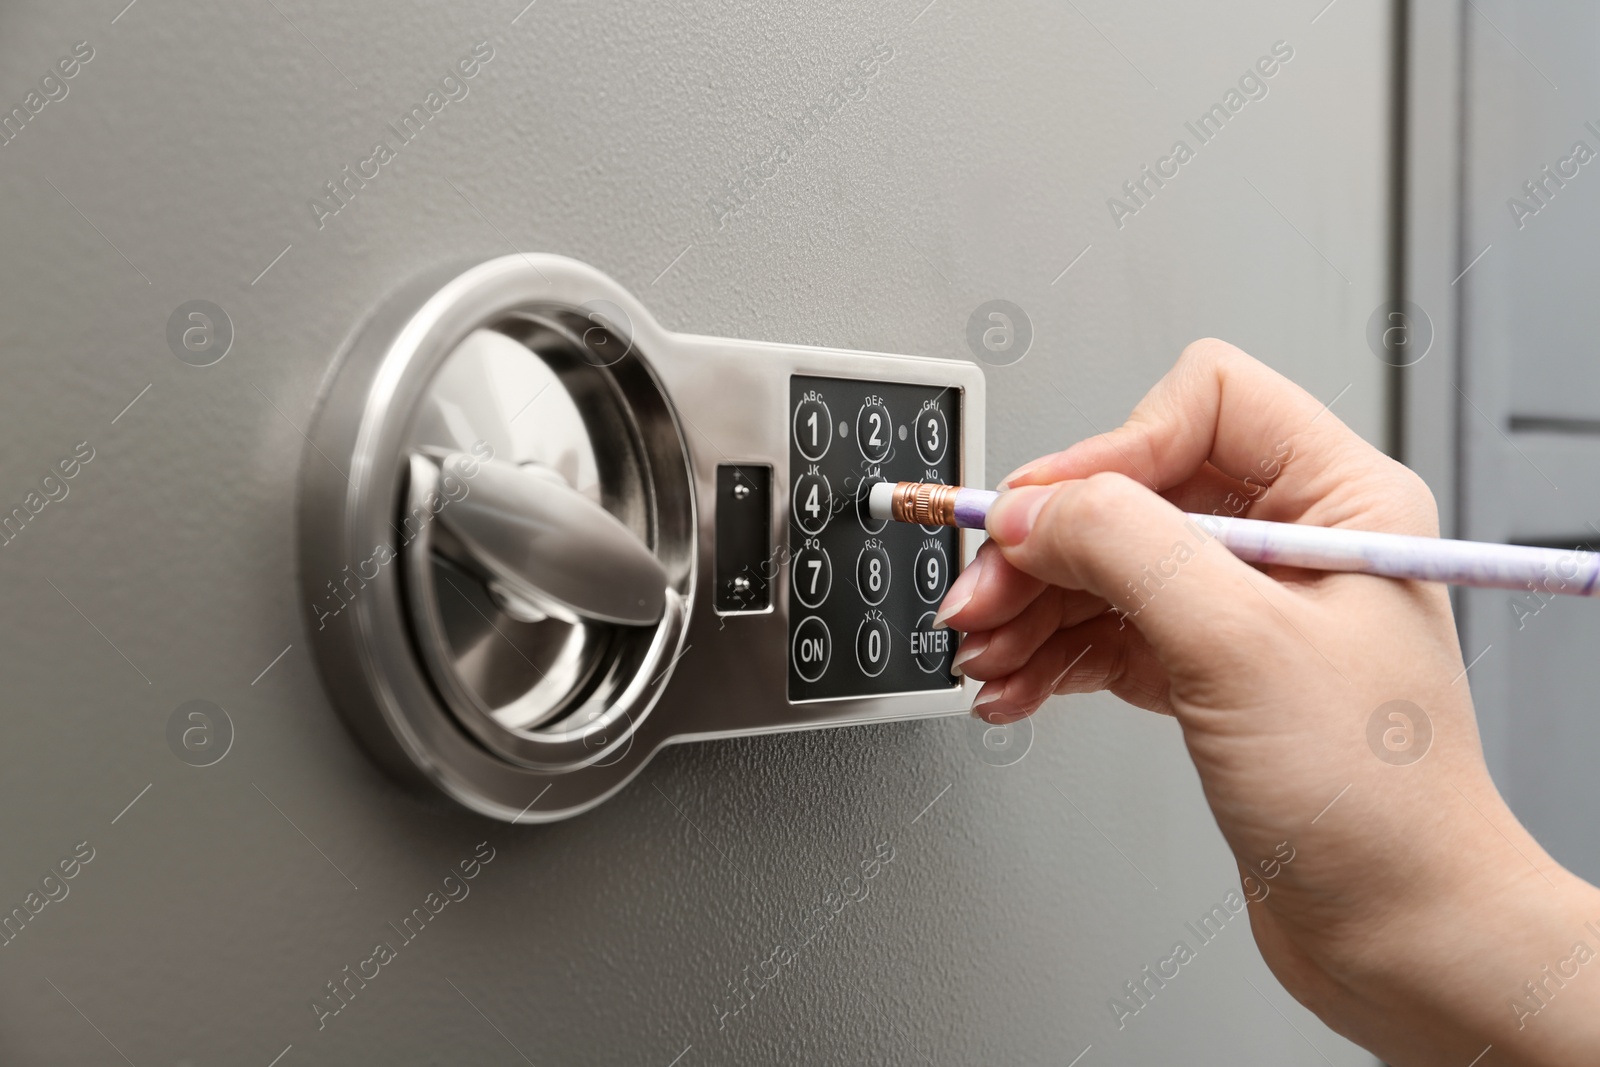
x=1020 y=898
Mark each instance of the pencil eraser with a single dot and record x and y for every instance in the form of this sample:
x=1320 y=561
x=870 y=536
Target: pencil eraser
x=880 y=501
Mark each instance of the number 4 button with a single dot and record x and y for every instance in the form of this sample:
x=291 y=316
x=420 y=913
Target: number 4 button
x=813 y=502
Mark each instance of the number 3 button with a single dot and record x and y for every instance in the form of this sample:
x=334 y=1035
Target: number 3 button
x=931 y=434
x=873 y=430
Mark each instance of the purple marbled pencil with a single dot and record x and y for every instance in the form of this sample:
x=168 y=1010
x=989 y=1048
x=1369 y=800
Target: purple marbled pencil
x=1429 y=559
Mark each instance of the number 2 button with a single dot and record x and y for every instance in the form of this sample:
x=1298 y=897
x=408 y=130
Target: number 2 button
x=873 y=430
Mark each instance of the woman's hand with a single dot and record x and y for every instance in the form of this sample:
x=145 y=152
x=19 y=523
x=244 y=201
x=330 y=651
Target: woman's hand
x=1415 y=906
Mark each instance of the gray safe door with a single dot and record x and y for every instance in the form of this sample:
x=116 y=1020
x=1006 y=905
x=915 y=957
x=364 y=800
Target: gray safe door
x=198 y=220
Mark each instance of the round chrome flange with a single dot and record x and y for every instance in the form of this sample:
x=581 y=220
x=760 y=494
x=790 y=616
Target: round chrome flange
x=519 y=705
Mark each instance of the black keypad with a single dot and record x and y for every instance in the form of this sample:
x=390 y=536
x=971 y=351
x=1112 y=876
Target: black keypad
x=871 y=585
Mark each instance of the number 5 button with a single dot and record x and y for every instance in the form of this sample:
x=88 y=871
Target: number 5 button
x=813 y=502
x=873 y=430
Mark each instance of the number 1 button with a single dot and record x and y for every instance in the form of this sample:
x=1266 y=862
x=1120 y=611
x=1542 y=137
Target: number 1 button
x=813 y=428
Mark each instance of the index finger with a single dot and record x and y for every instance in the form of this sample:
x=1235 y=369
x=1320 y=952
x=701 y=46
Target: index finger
x=1216 y=405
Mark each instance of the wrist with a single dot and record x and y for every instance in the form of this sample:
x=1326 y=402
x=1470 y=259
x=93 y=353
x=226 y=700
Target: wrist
x=1498 y=951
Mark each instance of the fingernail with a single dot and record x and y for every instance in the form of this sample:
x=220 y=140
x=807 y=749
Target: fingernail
x=1020 y=471
x=1013 y=514
x=987 y=695
x=971 y=648
x=960 y=592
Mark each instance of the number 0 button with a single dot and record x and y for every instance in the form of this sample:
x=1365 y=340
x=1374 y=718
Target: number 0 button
x=873 y=430
x=872 y=574
x=813 y=502
x=872 y=646
x=931 y=435
x=813 y=429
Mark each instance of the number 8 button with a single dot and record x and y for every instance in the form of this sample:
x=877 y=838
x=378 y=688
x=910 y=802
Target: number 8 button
x=872 y=574
x=873 y=430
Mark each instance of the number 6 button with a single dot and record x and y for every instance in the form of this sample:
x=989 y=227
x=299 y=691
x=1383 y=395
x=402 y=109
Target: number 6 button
x=873 y=430
x=813 y=502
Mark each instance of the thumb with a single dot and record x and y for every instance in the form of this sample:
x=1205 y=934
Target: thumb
x=1197 y=604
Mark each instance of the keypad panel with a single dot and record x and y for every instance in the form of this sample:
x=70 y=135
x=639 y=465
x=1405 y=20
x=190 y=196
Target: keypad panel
x=862 y=593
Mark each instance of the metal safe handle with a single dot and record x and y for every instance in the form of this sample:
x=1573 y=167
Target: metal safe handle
x=543 y=542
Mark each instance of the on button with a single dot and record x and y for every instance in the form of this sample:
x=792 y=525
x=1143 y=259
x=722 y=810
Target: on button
x=813 y=647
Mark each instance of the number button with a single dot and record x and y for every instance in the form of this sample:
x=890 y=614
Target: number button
x=812 y=575
x=813 y=502
x=813 y=647
x=932 y=573
x=872 y=646
x=872 y=574
x=873 y=430
x=813 y=428
x=931 y=435
x=929 y=646
x=864 y=512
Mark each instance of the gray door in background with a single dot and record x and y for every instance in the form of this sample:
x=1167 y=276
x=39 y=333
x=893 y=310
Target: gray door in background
x=1528 y=399
x=977 y=163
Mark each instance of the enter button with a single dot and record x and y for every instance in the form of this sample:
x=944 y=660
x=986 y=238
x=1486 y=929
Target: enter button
x=930 y=647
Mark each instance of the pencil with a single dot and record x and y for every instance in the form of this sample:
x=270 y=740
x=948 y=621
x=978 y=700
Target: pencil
x=1429 y=559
